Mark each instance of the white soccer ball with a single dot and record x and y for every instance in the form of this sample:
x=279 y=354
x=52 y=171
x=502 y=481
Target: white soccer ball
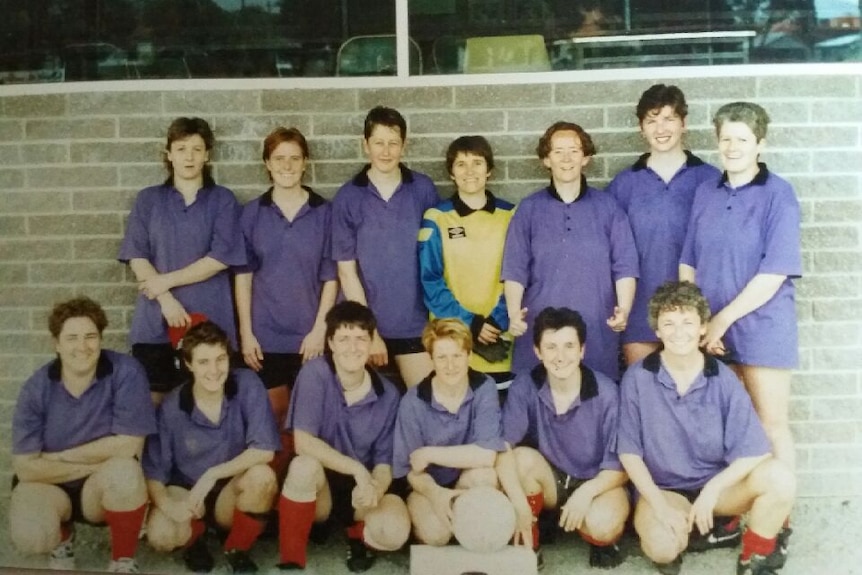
x=483 y=519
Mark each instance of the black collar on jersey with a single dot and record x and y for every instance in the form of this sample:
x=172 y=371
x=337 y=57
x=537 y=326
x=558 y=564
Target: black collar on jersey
x=690 y=161
x=207 y=183
x=361 y=179
x=104 y=367
x=464 y=210
x=759 y=178
x=426 y=393
x=556 y=195
x=376 y=382
x=589 y=385
x=187 y=400
x=314 y=199
x=652 y=363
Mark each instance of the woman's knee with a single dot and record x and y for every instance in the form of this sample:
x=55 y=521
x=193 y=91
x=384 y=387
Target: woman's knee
x=304 y=473
x=388 y=527
x=606 y=520
x=775 y=478
x=121 y=477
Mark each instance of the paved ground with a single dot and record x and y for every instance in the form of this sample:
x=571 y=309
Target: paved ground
x=827 y=540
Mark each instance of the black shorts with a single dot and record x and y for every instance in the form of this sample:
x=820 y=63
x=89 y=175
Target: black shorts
x=210 y=499
x=566 y=484
x=404 y=346
x=341 y=489
x=280 y=369
x=162 y=364
x=73 y=490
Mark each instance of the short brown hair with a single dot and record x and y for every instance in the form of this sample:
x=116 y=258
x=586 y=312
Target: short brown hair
x=749 y=113
x=672 y=296
x=475 y=145
x=206 y=332
x=543 y=149
x=77 y=307
x=182 y=128
x=281 y=135
x=447 y=328
x=657 y=97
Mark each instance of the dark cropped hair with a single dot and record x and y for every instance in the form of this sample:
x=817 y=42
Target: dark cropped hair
x=349 y=314
x=281 y=135
x=206 y=332
x=383 y=116
x=543 y=149
x=475 y=145
x=672 y=296
x=657 y=97
x=749 y=113
x=77 y=307
x=182 y=128
x=555 y=319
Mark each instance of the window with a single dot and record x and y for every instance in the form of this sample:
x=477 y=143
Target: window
x=72 y=40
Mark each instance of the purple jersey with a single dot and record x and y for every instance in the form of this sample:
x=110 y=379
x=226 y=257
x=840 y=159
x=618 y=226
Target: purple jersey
x=380 y=236
x=658 y=212
x=686 y=440
x=49 y=419
x=171 y=235
x=362 y=431
x=422 y=421
x=579 y=441
x=570 y=255
x=188 y=443
x=290 y=261
x=735 y=234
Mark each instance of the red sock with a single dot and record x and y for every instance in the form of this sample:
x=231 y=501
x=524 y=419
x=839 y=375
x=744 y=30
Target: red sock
x=65 y=531
x=536 y=503
x=244 y=532
x=198 y=528
x=595 y=542
x=294 y=525
x=356 y=531
x=125 y=527
x=753 y=543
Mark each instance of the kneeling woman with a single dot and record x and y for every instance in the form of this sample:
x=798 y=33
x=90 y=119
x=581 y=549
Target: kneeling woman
x=342 y=416
x=448 y=431
x=208 y=461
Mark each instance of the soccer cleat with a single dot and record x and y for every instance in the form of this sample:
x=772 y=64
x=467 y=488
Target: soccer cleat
x=726 y=534
x=672 y=568
x=540 y=559
x=239 y=562
x=605 y=556
x=359 y=558
x=197 y=557
x=123 y=565
x=63 y=555
x=760 y=565
x=782 y=545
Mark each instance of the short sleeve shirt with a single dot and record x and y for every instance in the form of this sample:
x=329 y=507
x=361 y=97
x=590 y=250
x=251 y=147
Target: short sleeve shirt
x=380 y=236
x=290 y=261
x=422 y=421
x=579 y=441
x=362 y=431
x=171 y=235
x=757 y=227
x=49 y=419
x=686 y=440
x=658 y=212
x=188 y=443
x=570 y=255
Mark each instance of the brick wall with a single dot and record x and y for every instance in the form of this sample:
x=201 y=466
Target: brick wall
x=71 y=163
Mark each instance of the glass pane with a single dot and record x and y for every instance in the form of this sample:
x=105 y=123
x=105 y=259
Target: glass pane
x=507 y=35
x=70 y=40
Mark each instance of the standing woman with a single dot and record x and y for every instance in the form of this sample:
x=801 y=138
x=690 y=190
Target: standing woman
x=742 y=249
x=181 y=237
x=376 y=218
x=289 y=284
x=656 y=194
x=569 y=245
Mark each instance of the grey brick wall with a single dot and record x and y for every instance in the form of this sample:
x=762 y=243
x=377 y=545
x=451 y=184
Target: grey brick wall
x=70 y=165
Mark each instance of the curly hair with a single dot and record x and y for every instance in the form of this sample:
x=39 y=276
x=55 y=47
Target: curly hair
x=77 y=307
x=543 y=149
x=672 y=296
